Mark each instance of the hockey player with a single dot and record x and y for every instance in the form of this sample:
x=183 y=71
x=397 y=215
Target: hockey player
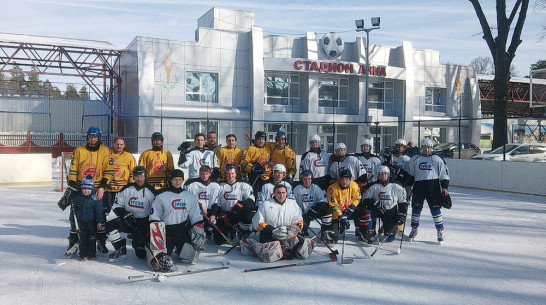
x=180 y=212
x=431 y=182
x=158 y=162
x=131 y=211
x=212 y=144
x=206 y=191
x=340 y=161
x=386 y=201
x=310 y=198
x=282 y=154
x=93 y=160
x=89 y=215
x=194 y=158
x=370 y=162
x=396 y=160
x=279 y=223
x=256 y=162
x=212 y=139
x=231 y=154
x=279 y=172
x=235 y=208
x=318 y=162
x=343 y=200
x=123 y=163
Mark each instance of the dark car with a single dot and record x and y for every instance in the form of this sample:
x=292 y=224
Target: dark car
x=451 y=150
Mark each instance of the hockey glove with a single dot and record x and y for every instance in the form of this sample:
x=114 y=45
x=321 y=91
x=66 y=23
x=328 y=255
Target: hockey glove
x=349 y=211
x=344 y=223
x=257 y=169
x=69 y=193
x=379 y=207
x=184 y=147
x=198 y=239
x=129 y=221
x=281 y=233
x=182 y=158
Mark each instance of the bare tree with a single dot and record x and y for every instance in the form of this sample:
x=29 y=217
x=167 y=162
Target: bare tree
x=502 y=58
x=482 y=65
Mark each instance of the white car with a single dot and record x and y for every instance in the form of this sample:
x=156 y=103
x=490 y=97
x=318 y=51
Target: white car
x=527 y=152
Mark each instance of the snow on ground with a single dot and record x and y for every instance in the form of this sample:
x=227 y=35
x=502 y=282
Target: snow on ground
x=494 y=253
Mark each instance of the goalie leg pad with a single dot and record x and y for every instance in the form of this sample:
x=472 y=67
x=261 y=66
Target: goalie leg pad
x=306 y=248
x=268 y=252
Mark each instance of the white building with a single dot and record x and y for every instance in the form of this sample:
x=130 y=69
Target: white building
x=240 y=80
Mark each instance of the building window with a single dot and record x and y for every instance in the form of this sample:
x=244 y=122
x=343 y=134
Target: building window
x=326 y=133
x=435 y=99
x=292 y=131
x=381 y=95
x=195 y=127
x=334 y=92
x=282 y=89
x=201 y=87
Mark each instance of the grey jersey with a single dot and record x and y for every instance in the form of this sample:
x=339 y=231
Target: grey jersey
x=427 y=168
x=389 y=195
x=267 y=191
x=318 y=164
x=207 y=193
x=196 y=158
x=308 y=197
x=371 y=166
x=136 y=201
x=230 y=194
x=173 y=208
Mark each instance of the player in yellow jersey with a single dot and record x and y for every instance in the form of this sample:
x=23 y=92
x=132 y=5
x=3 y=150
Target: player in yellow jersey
x=231 y=154
x=256 y=162
x=158 y=162
x=123 y=163
x=282 y=154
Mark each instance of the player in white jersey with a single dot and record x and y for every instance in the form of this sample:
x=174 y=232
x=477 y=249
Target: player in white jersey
x=131 y=215
x=318 y=162
x=396 y=160
x=431 y=180
x=194 y=158
x=279 y=172
x=386 y=201
x=310 y=198
x=340 y=161
x=235 y=207
x=206 y=191
x=370 y=162
x=180 y=212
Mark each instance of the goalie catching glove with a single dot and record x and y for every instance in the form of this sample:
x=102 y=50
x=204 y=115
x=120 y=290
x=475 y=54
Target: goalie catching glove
x=69 y=193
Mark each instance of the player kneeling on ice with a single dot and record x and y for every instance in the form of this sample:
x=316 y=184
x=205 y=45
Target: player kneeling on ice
x=386 y=201
x=89 y=216
x=183 y=219
x=279 y=222
x=131 y=215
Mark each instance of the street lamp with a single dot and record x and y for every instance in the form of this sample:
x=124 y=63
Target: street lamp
x=375 y=21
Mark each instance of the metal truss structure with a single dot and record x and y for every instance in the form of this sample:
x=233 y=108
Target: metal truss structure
x=518 y=98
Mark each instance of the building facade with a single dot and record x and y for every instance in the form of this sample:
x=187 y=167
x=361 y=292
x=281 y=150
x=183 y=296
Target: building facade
x=235 y=79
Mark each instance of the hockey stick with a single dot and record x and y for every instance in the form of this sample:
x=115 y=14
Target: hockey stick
x=383 y=241
x=161 y=276
x=218 y=230
x=167 y=182
x=333 y=253
x=345 y=261
x=402 y=238
x=290 y=265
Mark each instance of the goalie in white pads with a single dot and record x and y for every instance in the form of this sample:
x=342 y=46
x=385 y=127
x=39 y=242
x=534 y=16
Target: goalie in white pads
x=279 y=223
x=183 y=218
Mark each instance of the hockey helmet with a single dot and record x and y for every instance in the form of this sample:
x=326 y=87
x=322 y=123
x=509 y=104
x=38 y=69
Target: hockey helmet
x=140 y=170
x=162 y=262
x=427 y=143
x=401 y=142
x=385 y=170
x=341 y=146
x=280 y=135
x=177 y=173
x=279 y=167
x=306 y=173
x=157 y=135
x=366 y=141
x=345 y=173
x=315 y=138
x=94 y=131
x=259 y=135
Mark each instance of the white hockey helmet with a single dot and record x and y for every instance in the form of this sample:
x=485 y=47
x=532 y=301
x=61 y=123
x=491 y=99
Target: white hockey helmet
x=427 y=143
x=400 y=142
x=340 y=146
x=384 y=169
x=314 y=138
x=366 y=141
x=279 y=167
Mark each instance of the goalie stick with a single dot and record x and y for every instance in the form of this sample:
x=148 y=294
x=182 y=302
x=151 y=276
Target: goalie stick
x=291 y=265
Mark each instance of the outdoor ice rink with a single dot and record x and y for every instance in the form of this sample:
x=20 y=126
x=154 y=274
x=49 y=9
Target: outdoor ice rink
x=494 y=253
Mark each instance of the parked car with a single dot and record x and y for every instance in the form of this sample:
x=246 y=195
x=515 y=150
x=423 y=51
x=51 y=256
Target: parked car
x=451 y=150
x=527 y=152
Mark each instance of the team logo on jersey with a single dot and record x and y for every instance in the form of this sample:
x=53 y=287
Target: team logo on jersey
x=89 y=169
x=307 y=198
x=135 y=203
x=384 y=196
x=203 y=196
x=204 y=162
x=425 y=166
x=369 y=170
x=178 y=204
x=230 y=196
x=319 y=163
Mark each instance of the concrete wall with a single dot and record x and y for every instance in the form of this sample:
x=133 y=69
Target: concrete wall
x=518 y=177
x=25 y=169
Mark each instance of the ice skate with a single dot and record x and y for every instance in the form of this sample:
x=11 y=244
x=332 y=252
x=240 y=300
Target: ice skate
x=118 y=255
x=73 y=245
x=413 y=233
x=441 y=236
x=101 y=247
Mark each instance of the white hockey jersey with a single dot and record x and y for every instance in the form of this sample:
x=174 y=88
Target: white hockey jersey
x=351 y=163
x=173 y=208
x=389 y=195
x=318 y=164
x=427 y=168
x=207 y=194
x=229 y=195
x=308 y=197
x=135 y=199
x=267 y=191
x=371 y=166
x=196 y=158
x=277 y=215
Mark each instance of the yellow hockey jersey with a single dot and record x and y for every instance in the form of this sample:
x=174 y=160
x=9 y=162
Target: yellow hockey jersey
x=123 y=165
x=229 y=156
x=253 y=154
x=93 y=163
x=156 y=162
x=284 y=156
x=340 y=199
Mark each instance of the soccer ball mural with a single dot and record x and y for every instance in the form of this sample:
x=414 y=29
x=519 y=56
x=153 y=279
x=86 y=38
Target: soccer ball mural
x=331 y=45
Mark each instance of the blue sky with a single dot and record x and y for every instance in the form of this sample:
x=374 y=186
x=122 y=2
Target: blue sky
x=450 y=27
